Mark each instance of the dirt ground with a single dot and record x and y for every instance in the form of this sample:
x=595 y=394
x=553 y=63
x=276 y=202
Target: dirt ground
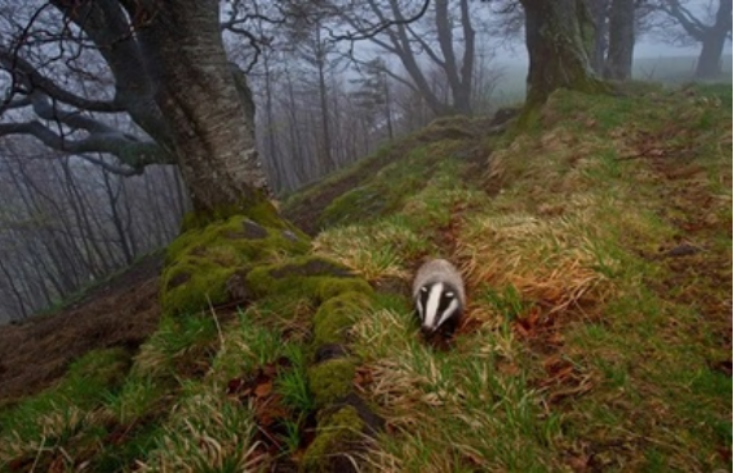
x=123 y=312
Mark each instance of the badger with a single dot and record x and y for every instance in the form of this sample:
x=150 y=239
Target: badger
x=439 y=295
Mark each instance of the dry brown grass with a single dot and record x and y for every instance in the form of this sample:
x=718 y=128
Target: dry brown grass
x=552 y=262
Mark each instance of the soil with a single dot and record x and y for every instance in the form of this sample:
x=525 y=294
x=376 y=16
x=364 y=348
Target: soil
x=122 y=312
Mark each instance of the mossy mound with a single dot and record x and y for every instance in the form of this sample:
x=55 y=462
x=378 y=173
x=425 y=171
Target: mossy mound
x=238 y=259
x=308 y=276
x=202 y=261
x=335 y=436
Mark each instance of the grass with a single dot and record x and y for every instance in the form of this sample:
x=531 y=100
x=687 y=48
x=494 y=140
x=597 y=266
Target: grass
x=575 y=357
x=587 y=344
x=293 y=384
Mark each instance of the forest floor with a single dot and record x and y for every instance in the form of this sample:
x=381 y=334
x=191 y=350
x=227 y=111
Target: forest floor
x=596 y=249
x=121 y=312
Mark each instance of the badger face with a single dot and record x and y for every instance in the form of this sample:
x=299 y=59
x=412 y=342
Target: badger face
x=437 y=303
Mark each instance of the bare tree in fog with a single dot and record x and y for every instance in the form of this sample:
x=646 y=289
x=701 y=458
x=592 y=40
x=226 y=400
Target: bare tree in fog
x=709 y=26
x=445 y=38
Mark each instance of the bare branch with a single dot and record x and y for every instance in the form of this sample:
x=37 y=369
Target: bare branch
x=375 y=30
x=693 y=26
x=24 y=73
x=136 y=154
x=119 y=170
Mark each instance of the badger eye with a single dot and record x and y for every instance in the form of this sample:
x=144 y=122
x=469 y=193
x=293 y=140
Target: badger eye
x=450 y=295
x=424 y=289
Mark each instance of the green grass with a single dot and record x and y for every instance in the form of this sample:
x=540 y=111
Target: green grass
x=293 y=384
x=65 y=416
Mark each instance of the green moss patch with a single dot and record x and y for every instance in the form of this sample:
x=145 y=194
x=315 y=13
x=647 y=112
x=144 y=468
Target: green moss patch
x=308 y=276
x=335 y=436
x=261 y=211
x=332 y=380
x=335 y=316
x=201 y=262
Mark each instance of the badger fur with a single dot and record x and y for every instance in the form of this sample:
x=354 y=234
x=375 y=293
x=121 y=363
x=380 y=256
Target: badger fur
x=439 y=296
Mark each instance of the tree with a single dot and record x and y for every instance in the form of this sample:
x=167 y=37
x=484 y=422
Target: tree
x=614 y=24
x=621 y=40
x=712 y=34
x=408 y=41
x=373 y=95
x=559 y=37
x=171 y=77
x=599 y=11
x=316 y=49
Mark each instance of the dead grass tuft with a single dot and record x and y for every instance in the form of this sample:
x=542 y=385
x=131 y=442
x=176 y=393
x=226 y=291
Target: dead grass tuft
x=551 y=262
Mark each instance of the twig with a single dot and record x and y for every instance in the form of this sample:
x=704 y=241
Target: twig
x=216 y=321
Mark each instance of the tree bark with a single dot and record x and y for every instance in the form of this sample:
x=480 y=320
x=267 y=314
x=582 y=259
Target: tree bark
x=708 y=64
x=599 y=12
x=210 y=119
x=559 y=40
x=621 y=40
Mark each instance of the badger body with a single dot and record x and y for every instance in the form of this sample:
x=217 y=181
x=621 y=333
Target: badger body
x=439 y=296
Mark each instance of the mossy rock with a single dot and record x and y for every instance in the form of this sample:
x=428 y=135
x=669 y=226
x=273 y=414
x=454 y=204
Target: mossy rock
x=314 y=277
x=202 y=260
x=331 y=380
x=335 y=436
x=249 y=239
x=192 y=283
x=335 y=316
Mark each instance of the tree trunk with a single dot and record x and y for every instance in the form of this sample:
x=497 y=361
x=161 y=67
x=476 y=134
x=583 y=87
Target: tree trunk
x=326 y=158
x=559 y=41
x=621 y=40
x=213 y=132
x=708 y=64
x=459 y=78
x=599 y=12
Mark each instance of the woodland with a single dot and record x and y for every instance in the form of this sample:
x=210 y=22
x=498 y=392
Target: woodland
x=212 y=211
x=94 y=175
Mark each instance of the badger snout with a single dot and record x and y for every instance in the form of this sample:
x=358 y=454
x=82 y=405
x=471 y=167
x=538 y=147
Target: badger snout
x=427 y=330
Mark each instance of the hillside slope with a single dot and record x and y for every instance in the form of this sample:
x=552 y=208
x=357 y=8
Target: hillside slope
x=596 y=247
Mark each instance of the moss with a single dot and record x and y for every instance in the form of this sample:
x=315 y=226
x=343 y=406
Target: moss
x=106 y=367
x=192 y=283
x=308 y=276
x=201 y=261
x=330 y=287
x=334 y=436
x=241 y=234
x=334 y=316
x=261 y=210
x=331 y=380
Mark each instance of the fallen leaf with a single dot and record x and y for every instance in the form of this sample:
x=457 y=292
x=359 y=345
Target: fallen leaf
x=263 y=389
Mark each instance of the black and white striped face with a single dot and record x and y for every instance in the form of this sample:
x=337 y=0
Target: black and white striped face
x=437 y=303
